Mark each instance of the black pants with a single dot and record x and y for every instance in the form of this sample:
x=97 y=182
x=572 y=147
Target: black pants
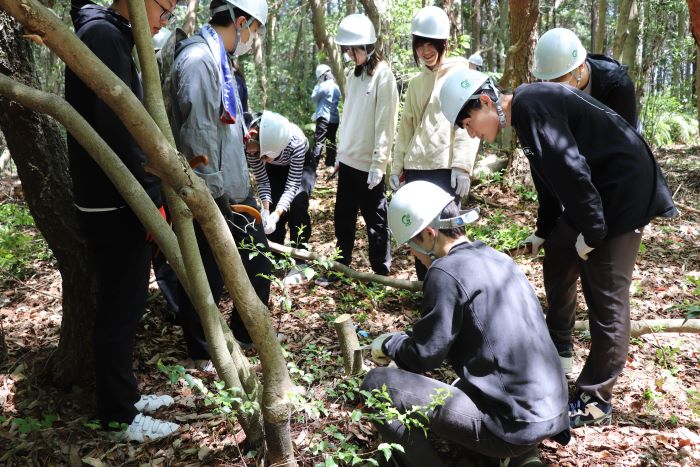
x=605 y=280
x=460 y=420
x=441 y=178
x=297 y=217
x=353 y=195
x=122 y=260
x=243 y=230
x=325 y=134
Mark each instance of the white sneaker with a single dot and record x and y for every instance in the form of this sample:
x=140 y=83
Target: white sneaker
x=151 y=403
x=567 y=363
x=206 y=366
x=146 y=428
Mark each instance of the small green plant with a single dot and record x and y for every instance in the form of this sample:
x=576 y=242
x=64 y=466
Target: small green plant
x=694 y=401
x=649 y=397
x=667 y=357
x=526 y=193
x=347 y=389
x=498 y=232
x=20 y=245
x=30 y=424
x=691 y=307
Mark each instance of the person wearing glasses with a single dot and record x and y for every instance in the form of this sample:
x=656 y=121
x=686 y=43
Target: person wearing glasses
x=285 y=173
x=428 y=147
x=366 y=137
x=207 y=120
x=598 y=185
x=560 y=57
x=119 y=251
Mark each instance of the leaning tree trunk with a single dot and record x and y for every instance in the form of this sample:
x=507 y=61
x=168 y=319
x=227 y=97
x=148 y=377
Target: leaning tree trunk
x=476 y=26
x=378 y=13
x=327 y=44
x=190 y=23
x=600 y=28
x=39 y=152
x=621 y=31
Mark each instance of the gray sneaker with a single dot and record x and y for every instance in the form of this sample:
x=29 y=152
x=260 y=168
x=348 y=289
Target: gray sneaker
x=150 y=403
x=145 y=428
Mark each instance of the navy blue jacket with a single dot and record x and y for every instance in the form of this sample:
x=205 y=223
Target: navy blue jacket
x=109 y=37
x=480 y=314
x=588 y=163
x=612 y=85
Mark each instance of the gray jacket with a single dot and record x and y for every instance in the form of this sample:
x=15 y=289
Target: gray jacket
x=196 y=108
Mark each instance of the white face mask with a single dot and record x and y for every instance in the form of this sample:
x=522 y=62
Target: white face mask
x=243 y=48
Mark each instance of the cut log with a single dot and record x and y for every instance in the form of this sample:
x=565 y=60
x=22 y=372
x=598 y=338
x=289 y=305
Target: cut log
x=349 y=344
x=651 y=326
x=414 y=286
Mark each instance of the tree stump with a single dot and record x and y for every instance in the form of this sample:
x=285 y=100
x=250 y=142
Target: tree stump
x=349 y=344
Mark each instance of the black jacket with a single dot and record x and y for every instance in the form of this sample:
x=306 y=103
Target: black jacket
x=109 y=37
x=480 y=313
x=612 y=85
x=588 y=163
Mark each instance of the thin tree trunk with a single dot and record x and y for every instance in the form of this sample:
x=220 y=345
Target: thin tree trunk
x=476 y=26
x=621 y=31
x=697 y=82
x=600 y=28
x=378 y=13
x=300 y=34
x=190 y=22
x=39 y=152
x=261 y=71
x=523 y=19
x=593 y=26
x=325 y=43
x=694 y=12
x=629 y=51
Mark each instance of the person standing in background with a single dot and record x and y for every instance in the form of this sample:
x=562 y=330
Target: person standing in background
x=326 y=95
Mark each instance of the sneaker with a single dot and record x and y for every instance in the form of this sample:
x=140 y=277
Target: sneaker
x=151 y=403
x=584 y=409
x=566 y=357
x=206 y=366
x=294 y=277
x=145 y=428
x=530 y=458
x=326 y=281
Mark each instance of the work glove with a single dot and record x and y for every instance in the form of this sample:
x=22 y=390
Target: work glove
x=581 y=248
x=394 y=182
x=378 y=355
x=270 y=222
x=460 y=181
x=536 y=243
x=374 y=177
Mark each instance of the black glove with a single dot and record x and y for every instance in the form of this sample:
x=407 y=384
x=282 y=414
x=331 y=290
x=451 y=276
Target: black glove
x=224 y=204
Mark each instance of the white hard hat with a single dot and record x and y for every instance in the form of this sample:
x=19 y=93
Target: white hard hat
x=273 y=134
x=476 y=59
x=356 y=29
x=459 y=87
x=161 y=38
x=431 y=22
x=255 y=8
x=321 y=70
x=413 y=207
x=558 y=52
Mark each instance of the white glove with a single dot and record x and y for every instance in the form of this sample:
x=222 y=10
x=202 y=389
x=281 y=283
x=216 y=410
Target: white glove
x=394 y=182
x=270 y=222
x=378 y=355
x=374 y=177
x=581 y=248
x=536 y=243
x=460 y=181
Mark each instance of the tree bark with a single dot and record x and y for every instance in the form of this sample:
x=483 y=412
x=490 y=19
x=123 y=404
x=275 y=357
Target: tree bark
x=694 y=12
x=347 y=338
x=621 y=31
x=600 y=28
x=594 y=26
x=523 y=19
x=327 y=44
x=378 y=13
x=39 y=152
x=415 y=286
x=629 y=51
x=190 y=23
x=476 y=26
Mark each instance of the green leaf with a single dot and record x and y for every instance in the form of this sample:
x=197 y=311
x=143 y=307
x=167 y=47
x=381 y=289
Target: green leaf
x=386 y=449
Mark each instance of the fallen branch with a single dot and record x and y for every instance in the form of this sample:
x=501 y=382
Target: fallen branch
x=686 y=207
x=650 y=326
x=414 y=286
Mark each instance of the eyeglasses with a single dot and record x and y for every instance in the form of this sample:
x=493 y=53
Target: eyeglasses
x=167 y=15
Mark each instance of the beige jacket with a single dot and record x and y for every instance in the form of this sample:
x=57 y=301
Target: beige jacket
x=369 y=117
x=426 y=140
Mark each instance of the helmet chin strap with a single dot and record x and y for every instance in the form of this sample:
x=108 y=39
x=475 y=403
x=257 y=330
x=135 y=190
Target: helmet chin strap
x=464 y=218
x=501 y=114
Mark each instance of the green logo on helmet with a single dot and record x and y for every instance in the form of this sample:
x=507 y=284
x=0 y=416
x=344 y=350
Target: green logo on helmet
x=406 y=220
x=574 y=53
x=464 y=84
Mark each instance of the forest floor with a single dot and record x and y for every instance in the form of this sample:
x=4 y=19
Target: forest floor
x=656 y=400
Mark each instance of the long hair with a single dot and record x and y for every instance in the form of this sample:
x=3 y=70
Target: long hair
x=370 y=62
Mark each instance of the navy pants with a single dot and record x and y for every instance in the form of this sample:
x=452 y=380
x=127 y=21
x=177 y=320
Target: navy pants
x=122 y=261
x=243 y=230
x=354 y=195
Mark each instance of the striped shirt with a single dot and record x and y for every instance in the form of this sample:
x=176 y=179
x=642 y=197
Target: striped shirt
x=293 y=156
